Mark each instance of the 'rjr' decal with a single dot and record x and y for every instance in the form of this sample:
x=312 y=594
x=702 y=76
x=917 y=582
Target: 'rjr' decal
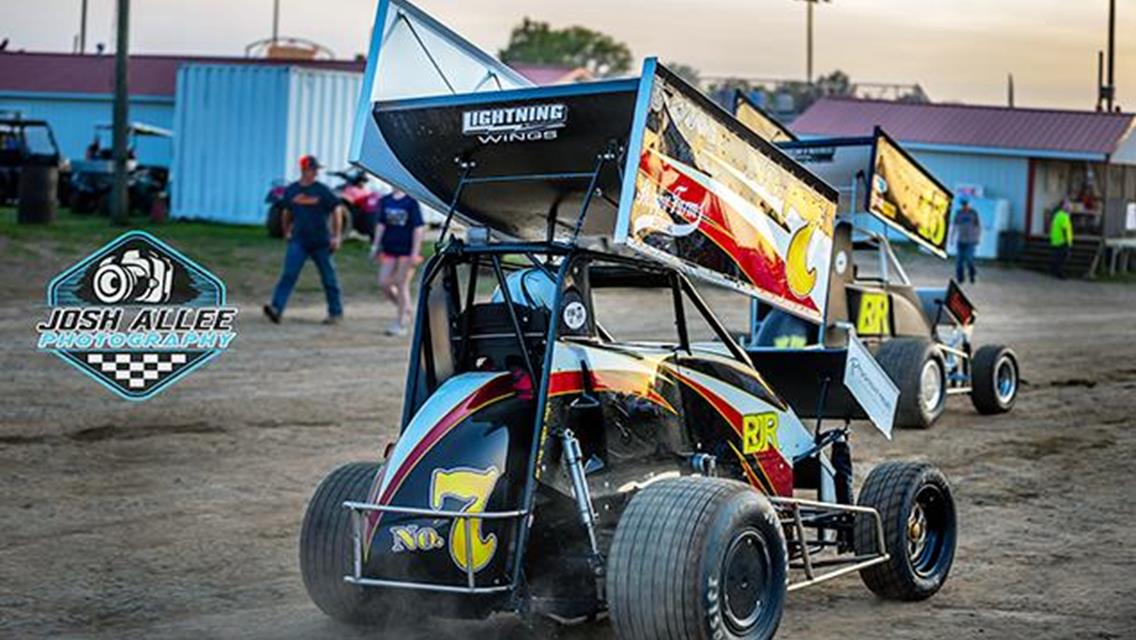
x=874 y=316
x=472 y=488
x=759 y=432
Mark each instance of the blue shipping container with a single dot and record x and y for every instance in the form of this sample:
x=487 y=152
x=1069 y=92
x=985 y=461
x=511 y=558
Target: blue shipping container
x=240 y=128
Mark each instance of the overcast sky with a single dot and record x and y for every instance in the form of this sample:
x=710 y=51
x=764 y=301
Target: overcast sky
x=958 y=50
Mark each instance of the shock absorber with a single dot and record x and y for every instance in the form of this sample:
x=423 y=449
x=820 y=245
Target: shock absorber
x=574 y=461
x=842 y=464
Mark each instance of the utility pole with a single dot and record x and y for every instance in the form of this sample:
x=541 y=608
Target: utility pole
x=83 y=28
x=1111 y=53
x=275 y=21
x=1100 y=80
x=809 y=39
x=118 y=201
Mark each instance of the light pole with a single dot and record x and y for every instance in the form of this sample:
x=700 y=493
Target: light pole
x=118 y=201
x=809 y=39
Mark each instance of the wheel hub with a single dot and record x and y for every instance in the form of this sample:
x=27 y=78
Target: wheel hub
x=1005 y=380
x=931 y=386
x=746 y=575
x=925 y=531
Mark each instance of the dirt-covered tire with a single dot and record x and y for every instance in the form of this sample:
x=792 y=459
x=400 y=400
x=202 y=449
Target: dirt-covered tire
x=920 y=530
x=697 y=557
x=326 y=553
x=912 y=363
x=994 y=379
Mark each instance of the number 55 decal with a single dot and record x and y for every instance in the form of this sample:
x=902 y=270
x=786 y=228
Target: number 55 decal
x=472 y=488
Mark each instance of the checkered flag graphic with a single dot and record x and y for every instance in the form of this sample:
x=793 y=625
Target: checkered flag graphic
x=136 y=372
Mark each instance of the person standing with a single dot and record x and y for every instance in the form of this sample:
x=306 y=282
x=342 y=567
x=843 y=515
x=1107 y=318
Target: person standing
x=313 y=223
x=967 y=228
x=1060 y=239
x=398 y=247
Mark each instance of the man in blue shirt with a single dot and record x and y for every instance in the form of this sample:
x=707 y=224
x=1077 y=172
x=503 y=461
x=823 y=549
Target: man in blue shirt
x=968 y=230
x=398 y=243
x=308 y=205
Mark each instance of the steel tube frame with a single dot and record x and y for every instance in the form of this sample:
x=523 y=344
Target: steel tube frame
x=856 y=563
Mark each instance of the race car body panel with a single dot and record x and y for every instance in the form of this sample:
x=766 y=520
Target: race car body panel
x=661 y=406
x=459 y=454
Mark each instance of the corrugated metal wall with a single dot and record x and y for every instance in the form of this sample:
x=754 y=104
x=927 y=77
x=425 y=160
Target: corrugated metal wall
x=1000 y=177
x=241 y=127
x=73 y=117
x=321 y=113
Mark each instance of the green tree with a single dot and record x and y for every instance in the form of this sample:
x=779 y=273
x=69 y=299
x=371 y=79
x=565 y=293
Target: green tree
x=534 y=42
x=686 y=72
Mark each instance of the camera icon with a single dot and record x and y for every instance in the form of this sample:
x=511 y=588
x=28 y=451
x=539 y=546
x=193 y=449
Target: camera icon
x=134 y=276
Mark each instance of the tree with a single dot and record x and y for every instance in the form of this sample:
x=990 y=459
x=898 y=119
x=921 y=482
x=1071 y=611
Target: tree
x=534 y=42
x=686 y=72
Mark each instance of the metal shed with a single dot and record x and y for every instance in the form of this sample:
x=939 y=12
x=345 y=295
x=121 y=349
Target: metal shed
x=1031 y=158
x=239 y=128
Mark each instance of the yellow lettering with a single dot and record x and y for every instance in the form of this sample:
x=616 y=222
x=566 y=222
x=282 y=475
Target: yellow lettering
x=759 y=432
x=471 y=488
x=873 y=318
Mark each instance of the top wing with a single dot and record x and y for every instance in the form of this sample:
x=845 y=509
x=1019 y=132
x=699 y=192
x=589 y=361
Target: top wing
x=706 y=194
x=414 y=55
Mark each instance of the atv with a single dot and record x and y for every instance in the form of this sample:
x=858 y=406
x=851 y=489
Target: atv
x=546 y=467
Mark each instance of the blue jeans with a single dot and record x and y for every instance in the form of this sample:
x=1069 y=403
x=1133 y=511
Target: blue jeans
x=294 y=258
x=964 y=260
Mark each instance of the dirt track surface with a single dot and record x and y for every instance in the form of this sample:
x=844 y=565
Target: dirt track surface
x=179 y=517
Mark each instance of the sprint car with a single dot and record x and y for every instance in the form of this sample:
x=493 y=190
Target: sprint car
x=547 y=467
x=922 y=336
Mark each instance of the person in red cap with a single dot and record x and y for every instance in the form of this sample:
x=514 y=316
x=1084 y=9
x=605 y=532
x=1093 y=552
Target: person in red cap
x=313 y=223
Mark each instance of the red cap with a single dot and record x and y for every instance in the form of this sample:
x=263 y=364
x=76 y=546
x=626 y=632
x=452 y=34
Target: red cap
x=309 y=162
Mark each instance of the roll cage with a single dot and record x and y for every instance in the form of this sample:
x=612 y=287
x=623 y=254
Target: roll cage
x=562 y=260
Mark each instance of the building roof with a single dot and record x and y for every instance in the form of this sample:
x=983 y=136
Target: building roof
x=1051 y=132
x=150 y=75
x=544 y=74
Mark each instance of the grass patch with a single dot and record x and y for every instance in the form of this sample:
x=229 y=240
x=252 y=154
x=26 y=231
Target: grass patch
x=246 y=258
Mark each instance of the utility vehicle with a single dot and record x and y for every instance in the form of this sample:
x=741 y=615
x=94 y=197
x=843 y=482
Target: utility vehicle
x=93 y=177
x=549 y=467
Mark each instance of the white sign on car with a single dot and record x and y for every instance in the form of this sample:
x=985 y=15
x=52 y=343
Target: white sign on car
x=870 y=385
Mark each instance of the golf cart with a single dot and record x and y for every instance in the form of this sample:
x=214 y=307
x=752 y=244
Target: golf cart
x=921 y=336
x=93 y=177
x=23 y=143
x=547 y=467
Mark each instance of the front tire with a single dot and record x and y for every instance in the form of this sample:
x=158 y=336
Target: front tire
x=917 y=368
x=697 y=557
x=326 y=553
x=994 y=379
x=918 y=515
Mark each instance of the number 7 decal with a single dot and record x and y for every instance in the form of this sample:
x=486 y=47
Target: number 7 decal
x=472 y=488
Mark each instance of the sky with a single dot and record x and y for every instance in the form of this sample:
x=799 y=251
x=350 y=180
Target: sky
x=958 y=50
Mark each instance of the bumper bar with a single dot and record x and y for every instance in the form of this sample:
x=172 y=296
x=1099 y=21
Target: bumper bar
x=358 y=511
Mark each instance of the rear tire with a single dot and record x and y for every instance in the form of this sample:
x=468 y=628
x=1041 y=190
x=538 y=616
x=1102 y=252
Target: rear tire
x=994 y=379
x=326 y=553
x=697 y=557
x=909 y=362
x=918 y=515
